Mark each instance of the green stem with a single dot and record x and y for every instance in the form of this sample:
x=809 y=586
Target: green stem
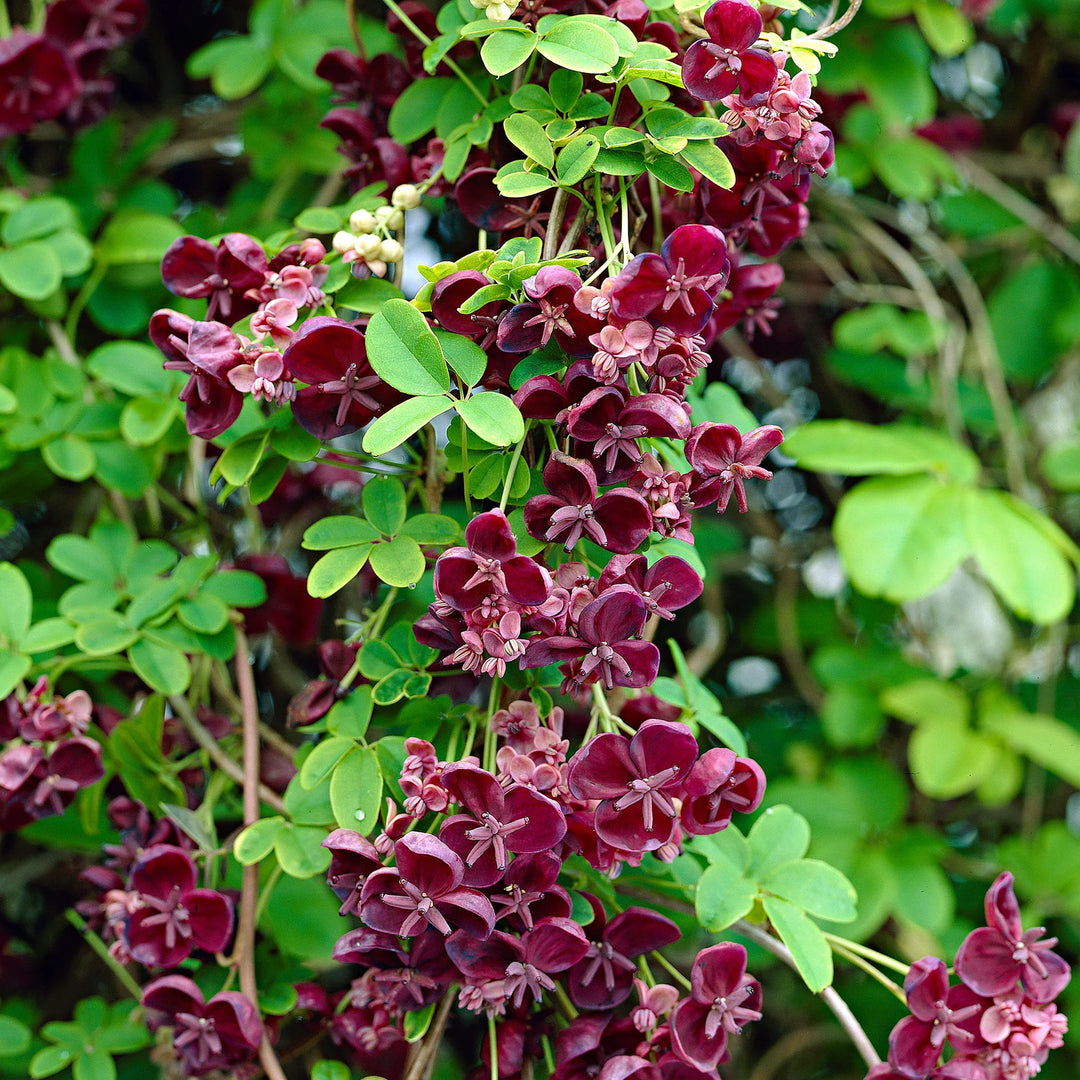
x=512 y=470
x=672 y=970
x=5 y=21
x=423 y=38
x=870 y=954
x=465 y=463
x=865 y=965
x=82 y=298
x=92 y=939
x=606 y=231
x=266 y=890
x=494 y=1047
x=625 y=207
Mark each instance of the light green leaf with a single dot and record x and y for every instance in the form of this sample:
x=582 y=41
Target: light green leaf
x=507 y=51
x=320 y=763
x=299 y=850
x=330 y=1070
x=465 y=357
x=404 y=351
x=70 y=457
x=237 y=588
x=516 y=185
x=674 y=174
x=336 y=569
x=1060 y=465
x=36 y=218
x=1044 y=739
x=338 y=530
x=530 y=138
x=31 y=270
x=49 y=1061
x=47 y=635
x=493 y=417
x=901 y=537
x=15 y=1037
x=413 y=114
x=804 y=940
x=816 y=887
x=723 y=898
x=926 y=699
x=16 y=604
x=132 y=367
x=947 y=758
x=144 y=421
x=948 y=32
x=576 y=158
x=580 y=46
x=431 y=529
x=402 y=422
x=711 y=162
x=779 y=836
x=97 y=1065
x=398 y=562
x=162 y=668
x=384 y=504
x=105 y=635
x=133 y=236
x=203 y=613
x=356 y=791
x=350 y=716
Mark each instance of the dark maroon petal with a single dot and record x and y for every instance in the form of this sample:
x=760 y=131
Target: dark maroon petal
x=479 y=200
x=985 y=962
x=662 y=416
x=712 y=448
x=165 y=325
x=213 y=348
x=78 y=759
x=484 y=870
x=554 y=650
x=316 y=413
x=910 y=1048
x=541 y=398
x=241 y=261
x=17 y=765
x=322 y=349
x=211 y=916
x=428 y=863
x=235 y=1019
x=640 y=287
x=371 y=948
x=627 y=830
x=1001 y=907
x=926 y=983
x=625 y=518
x=643 y=659
x=212 y=406
x=172 y=994
x=527 y=583
x=554 y=945
x=602 y=768
x=600 y=407
x=757 y=444
x=475 y=788
x=758 y=75
x=517 y=332
x=718 y=971
x=709 y=772
x=660 y=745
x=732 y=23
x=162 y=869
x=490 y=536
x=469 y=910
x=486 y=959
x=149 y=945
x=547 y=823
x=617 y=615
x=697 y=64
x=186 y=265
x=701 y=248
x=1040 y=987
x=688 y=1038
x=637 y=931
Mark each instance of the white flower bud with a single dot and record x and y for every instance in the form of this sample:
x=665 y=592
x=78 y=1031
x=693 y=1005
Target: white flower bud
x=405 y=197
x=391 y=251
x=377 y=267
x=369 y=246
x=362 y=221
x=343 y=242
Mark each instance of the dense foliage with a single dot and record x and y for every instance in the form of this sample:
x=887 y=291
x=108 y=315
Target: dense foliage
x=437 y=635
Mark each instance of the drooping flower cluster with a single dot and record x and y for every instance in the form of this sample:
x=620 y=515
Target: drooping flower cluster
x=60 y=73
x=999 y=1021
x=47 y=755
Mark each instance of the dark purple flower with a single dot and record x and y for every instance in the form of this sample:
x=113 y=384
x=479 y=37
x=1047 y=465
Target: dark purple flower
x=668 y=585
x=530 y=893
x=479 y=200
x=343 y=392
x=723 y=460
x=722 y=999
x=610 y=421
x=174 y=917
x=604 y=977
x=605 y=649
x=752 y=288
x=992 y=958
x=353 y=858
x=618 y=521
x=489 y=565
x=499 y=820
x=215 y=1034
x=636 y=781
x=424 y=889
x=451 y=292
x=84 y=25
x=37 y=81
x=713 y=69
x=193 y=267
x=677 y=287
x=373 y=157
x=552 y=312
x=719 y=783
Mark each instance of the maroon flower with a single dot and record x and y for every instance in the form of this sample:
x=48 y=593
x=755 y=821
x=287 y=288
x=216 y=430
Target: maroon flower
x=499 y=820
x=353 y=858
x=668 y=585
x=451 y=292
x=719 y=783
x=553 y=312
x=84 y=25
x=37 y=81
x=489 y=565
x=529 y=891
x=215 y=1034
x=343 y=392
x=723 y=999
x=604 y=648
x=752 y=288
x=174 y=917
x=713 y=69
x=479 y=200
x=677 y=286
x=424 y=889
x=636 y=780
x=618 y=520
x=723 y=460
x=992 y=958
x=604 y=977
x=193 y=267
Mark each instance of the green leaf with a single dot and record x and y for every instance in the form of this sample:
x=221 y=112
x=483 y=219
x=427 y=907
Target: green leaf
x=356 y=791
x=204 y=613
x=131 y=367
x=236 y=65
x=404 y=351
x=398 y=562
x=854 y=449
x=1026 y=569
x=402 y=422
x=378 y=659
x=926 y=699
x=530 y=138
x=366 y=295
x=711 y=162
x=350 y=716
x=391 y=688
x=241 y=458
x=804 y=940
x=779 y=836
x=17 y=603
x=565 y=89
x=330 y=1070
x=97 y=1065
x=299 y=850
x=516 y=185
x=1060 y=465
x=15 y=1037
x=162 y=668
x=901 y=537
x=674 y=174
x=337 y=531
x=145 y=421
x=237 y=588
x=723 y=898
x=75 y=252
x=816 y=887
x=948 y=32
x=576 y=158
x=577 y=44
x=336 y=569
x=465 y=357
x=47 y=635
x=413 y=114
x=49 y=1061
x=36 y=218
x=320 y=763
x=947 y=758
x=434 y=529
x=384 y=504
x=133 y=236
x=70 y=457
x=416 y=1023
x=31 y=271
x=1044 y=739
x=493 y=417
x=105 y=635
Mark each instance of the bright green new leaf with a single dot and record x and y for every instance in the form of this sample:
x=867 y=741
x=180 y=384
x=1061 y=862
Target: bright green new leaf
x=530 y=138
x=493 y=417
x=579 y=45
x=337 y=531
x=241 y=458
x=299 y=850
x=1044 y=739
x=577 y=157
x=926 y=699
x=15 y=1037
x=1060 y=465
x=336 y=569
x=402 y=422
x=804 y=940
x=431 y=529
x=255 y=842
x=47 y=635
x=815 y=886
x=384 y=504
x=31 y=270
x=320 y=763
x=162 y=668
x=674 y=174
x=467 y=360
x=901 y=536
x=356 y=791
x=506 y=51
x=351 y=715
x=398 y=562
x=711 y=162
x=723 y=898
x=779 y=836
x=517 y=185
x=947 y=758
x=16 y=605
x=404 y=351
x=105 y=635
x=133 y=236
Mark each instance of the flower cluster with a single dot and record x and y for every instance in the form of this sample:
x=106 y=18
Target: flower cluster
x=47 y=755
x=999 y=1020
x=59 y=74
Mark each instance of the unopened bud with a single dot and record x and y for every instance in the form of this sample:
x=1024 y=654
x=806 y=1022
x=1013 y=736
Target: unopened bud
x=343 y=242
x=391 y=251
x=362 y=221
x=377 y=267
x=405 y=197
x=368 y=245
x=390 y=217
